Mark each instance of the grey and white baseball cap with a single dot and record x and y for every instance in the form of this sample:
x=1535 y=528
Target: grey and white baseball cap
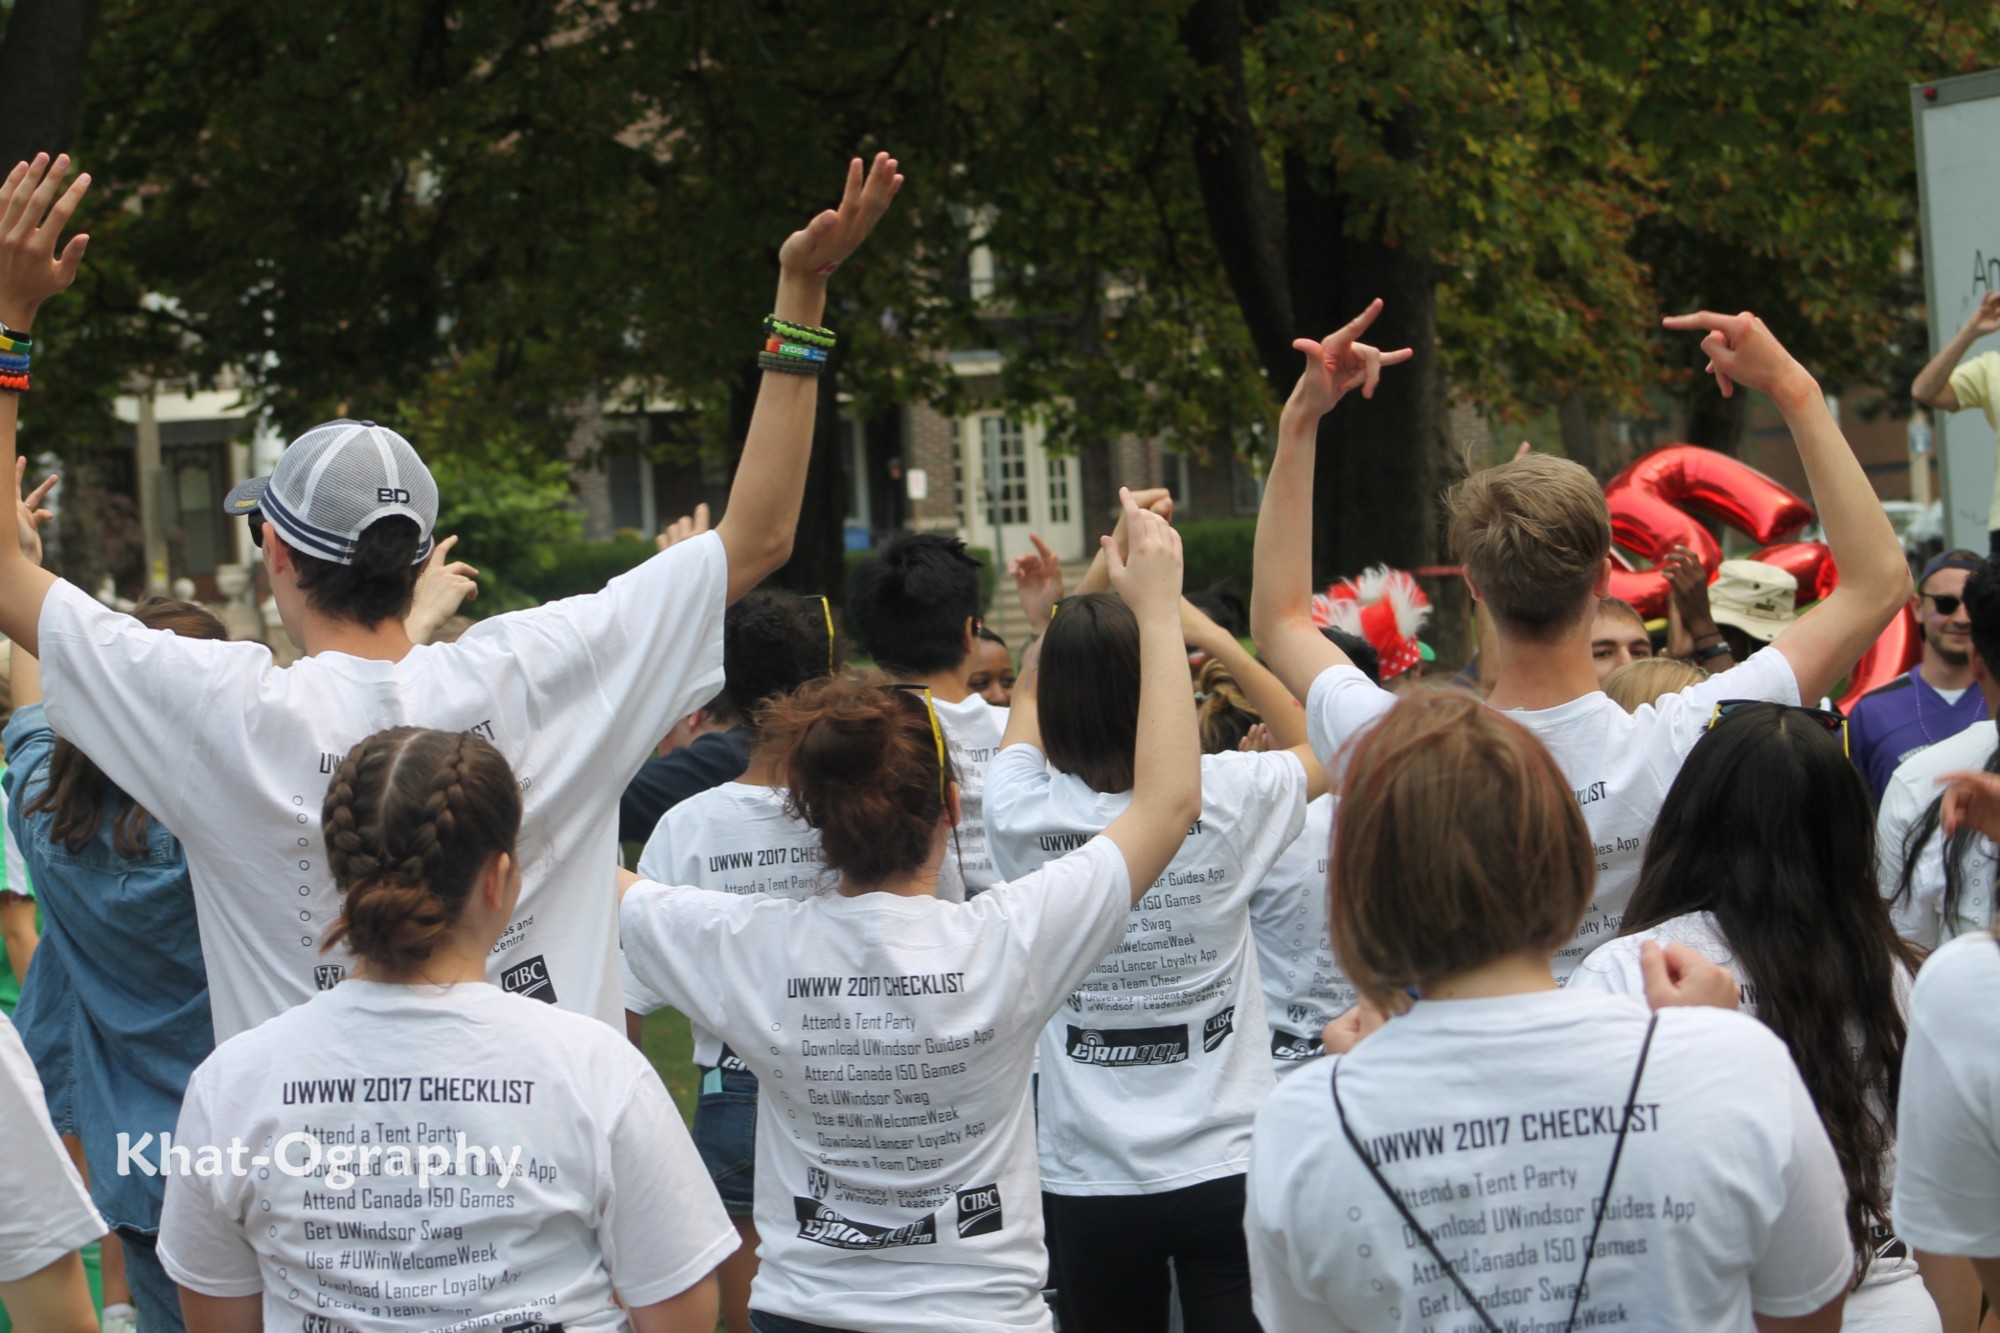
x=334 y=481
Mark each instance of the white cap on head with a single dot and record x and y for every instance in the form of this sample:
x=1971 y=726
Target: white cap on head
x=334 y=481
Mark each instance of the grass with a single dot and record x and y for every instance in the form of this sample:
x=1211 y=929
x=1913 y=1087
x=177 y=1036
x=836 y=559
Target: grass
x=669 y=1044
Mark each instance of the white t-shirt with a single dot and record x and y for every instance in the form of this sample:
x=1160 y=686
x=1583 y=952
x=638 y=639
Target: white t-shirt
x=607 y=1191
x=972 y=730
x=1303 y=984
x=1949 y=1108
x=234 y=754
x=737 y=839
x=891 y=1037
x=45 y=1211
x=1495 y=1121
x=1154 y=1069
x=1920 y=918
x=1620 y=764
x=1891 y=1297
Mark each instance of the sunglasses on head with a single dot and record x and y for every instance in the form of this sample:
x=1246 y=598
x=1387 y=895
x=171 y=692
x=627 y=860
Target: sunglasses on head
x=1946 y=604
x=937 y=732
x=1830 y=718
x=826 y=610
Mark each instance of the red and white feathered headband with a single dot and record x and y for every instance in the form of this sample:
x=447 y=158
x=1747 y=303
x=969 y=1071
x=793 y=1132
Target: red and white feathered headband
x=1384 y=606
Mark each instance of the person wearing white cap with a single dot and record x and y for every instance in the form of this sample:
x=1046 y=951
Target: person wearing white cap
x=1752 y=603
x=232 y=753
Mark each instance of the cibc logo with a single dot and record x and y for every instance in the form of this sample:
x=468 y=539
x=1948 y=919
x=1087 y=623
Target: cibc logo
x=530 y=977
x=979 y=1211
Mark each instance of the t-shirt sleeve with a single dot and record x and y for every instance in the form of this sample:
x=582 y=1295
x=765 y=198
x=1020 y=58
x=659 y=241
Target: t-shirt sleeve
x=45 y=1212
x=1948 y=1144
x=648 y=648
x=1342 y=704
x=663 y=1227
x=1683 y=717
x=1973 y=382
x=1273 y=810
x=670 y=938
x=1915 y=917
x=1612 y=967
x=131 y=697
x=202 y=1242
x=1069 y=914
x=1807 y=1259
x=1279 y=1298
x=1017 y=795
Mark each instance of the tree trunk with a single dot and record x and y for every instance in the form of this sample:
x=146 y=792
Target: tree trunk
x=41 y=72
x=1712 y=421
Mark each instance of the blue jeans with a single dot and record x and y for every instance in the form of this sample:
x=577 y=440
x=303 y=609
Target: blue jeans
x=725 y=1134
x=155 y=1298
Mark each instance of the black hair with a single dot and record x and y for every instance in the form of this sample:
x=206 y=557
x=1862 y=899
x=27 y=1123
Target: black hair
x=1982 y=608
x=908 y=606
x=377 y=586
x=1088 y=699
x=772 y=643
x=1359 y=651
x=1768 y=828
x=981 y=632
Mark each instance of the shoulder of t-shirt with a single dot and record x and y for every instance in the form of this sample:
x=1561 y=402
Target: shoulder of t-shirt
x=67 y=601
x=1299 y=1112
x=1610 y=960
x=1722 y=1033
x=1969 y=748
x=1902 y=682
x=1969 y=964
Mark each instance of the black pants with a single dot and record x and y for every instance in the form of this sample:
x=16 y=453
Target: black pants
x=1112 y=1253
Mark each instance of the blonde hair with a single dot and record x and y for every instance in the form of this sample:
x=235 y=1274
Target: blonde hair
x=1651 y=679
x=1459 y=841
x=1532 y=534
x=1222 y=712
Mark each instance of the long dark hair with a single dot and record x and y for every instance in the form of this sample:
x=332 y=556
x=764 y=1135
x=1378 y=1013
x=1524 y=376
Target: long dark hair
x=77 y=791
x=1768 y=827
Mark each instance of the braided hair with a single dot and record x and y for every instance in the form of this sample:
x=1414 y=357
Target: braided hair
x=412 y=817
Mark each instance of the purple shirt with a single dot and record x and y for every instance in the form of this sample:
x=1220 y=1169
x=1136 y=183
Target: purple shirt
x=1889 y=725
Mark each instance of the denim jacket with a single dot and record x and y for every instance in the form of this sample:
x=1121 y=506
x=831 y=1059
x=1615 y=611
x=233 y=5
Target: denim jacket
x=115 y=1008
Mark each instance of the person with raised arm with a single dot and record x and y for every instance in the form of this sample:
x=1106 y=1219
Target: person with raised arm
x=1534 y=537
x=1944 y=385
x=893 y=1033
x=230 y=752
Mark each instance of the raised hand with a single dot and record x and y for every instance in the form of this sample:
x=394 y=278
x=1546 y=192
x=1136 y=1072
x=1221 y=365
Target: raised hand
x=31 y=221
x=442 y=587
x=1677 y=975
x=1038 y=581
x=1148 y=574
x=1986 y=315
x=1339 y=362
x=30 y=514
x=820 y=247
x=682 y=528
x=1972 y=800
x=1742 y=350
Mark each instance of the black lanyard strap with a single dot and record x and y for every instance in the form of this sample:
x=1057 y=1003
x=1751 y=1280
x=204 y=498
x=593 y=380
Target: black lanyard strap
x=1603 y=1198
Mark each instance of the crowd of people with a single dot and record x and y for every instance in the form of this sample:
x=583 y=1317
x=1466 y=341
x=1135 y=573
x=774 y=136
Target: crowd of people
x=1199 y=969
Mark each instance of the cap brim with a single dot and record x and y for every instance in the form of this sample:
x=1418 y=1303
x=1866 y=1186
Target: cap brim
x=245 y=496
x=1757 y=627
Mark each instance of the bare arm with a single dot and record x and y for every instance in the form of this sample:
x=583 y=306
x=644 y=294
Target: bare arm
x=1932 y=386
x=1281 y=713
x=1874 y=578
x=1281 y=593
x=54 y=1299
x=763 y=514
x=1954 y=1287
x=32 y=217
x=1166 y=763
x=693 y=1311
x=220 y=1314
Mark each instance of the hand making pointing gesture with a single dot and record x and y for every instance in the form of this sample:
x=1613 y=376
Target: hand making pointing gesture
x=1743 y=350
x=1338 y=363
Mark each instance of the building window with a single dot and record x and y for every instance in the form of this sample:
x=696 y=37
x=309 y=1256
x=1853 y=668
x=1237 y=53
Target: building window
x=1057 y=470
x=1246 y=488
x=1004 y=459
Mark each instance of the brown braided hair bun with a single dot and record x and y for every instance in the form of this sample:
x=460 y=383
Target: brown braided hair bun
x=412 y=817
x=860 y=764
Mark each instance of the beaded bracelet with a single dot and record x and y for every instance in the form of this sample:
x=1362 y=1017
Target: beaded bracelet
x=805 y=333
x=789 y=365
x=14 y=363
x=12 y=383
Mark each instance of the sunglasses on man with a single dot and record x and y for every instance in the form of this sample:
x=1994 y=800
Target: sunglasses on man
x=1946 y=604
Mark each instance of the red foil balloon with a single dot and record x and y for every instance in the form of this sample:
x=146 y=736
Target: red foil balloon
x=1887 y=658
x=1650 y=504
